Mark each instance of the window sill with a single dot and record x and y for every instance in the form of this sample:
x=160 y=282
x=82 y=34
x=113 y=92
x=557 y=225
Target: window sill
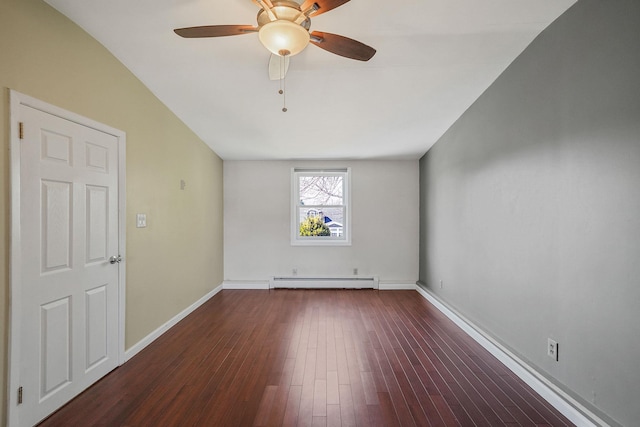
x=313 y=242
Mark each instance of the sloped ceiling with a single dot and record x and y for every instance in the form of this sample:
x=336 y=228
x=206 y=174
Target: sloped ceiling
x=434 y=58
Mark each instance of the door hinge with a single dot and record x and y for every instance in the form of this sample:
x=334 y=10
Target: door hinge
x=21 y=130
x=19 y=395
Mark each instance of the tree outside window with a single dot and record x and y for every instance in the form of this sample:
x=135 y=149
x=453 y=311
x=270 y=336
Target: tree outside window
x=320 y=206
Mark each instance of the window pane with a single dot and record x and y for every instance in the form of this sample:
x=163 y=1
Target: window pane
x=323 y=222
x=320 y=199
x=320 y=190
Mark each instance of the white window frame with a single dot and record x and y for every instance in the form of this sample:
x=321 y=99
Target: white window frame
x=296 y=239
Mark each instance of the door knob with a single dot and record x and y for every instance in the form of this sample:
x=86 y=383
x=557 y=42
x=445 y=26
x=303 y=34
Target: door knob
x=115 y=259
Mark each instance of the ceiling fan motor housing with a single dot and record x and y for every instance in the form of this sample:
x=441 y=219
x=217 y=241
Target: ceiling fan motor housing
x=286 y=10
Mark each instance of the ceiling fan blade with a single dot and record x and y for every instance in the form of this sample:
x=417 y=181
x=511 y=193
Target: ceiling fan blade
x=215 y=31
x=342 y=46
x=324 y=5
x=278 y=66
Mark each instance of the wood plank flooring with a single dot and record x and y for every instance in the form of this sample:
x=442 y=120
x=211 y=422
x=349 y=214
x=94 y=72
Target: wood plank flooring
x=311 y=358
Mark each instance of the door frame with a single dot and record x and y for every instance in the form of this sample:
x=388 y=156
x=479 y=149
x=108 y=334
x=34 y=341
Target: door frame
x=17 y=99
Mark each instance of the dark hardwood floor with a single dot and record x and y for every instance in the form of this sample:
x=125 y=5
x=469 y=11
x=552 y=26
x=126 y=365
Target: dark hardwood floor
x=311 y=358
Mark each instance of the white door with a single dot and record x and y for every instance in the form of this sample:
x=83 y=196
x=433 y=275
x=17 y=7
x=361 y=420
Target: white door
x=69 y=316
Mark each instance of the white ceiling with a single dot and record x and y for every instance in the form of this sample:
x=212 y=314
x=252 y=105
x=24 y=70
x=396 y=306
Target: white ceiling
x=434 y=58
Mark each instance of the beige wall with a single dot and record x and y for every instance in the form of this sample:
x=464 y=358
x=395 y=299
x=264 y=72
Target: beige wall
x=179 y=257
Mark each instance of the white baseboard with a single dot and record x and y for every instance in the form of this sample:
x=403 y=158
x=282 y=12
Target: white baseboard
x=397 y=286
x=135 y=349
x=244 y=284
x=560 y=400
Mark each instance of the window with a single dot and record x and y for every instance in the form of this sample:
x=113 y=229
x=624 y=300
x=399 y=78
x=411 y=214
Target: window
x=320 y=207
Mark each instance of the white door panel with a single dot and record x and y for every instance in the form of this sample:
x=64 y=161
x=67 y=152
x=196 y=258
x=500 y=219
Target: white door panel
x=55 y=351
x=69 y=289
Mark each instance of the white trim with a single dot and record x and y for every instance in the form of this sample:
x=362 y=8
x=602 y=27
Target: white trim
x=244 y=285
x=355 y=282
x=14 y=263
x=397 y=286
x=122 y=250
x=16 y=99
x=248 y=285
x=296 y=239
x=140 y=345
x=565 y=404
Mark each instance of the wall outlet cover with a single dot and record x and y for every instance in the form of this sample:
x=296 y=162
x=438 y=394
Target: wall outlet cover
x=552 y=349
x=141 y=220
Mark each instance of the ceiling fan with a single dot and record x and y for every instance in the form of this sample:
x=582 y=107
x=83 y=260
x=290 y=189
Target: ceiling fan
x=283 y=28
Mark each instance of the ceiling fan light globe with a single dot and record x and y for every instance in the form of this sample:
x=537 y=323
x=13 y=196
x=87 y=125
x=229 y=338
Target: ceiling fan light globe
x=283 y=36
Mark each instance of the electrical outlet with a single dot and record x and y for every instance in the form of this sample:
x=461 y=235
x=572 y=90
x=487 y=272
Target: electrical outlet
x=294 y=271
x=552 y=349
x=355 y=271
x=441 y=284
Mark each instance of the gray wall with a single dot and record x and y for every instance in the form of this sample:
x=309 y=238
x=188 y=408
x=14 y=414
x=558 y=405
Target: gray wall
x=530 y=207
x=384 y=218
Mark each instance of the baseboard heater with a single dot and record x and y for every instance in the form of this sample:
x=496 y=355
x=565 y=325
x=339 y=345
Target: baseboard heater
x=324 y=282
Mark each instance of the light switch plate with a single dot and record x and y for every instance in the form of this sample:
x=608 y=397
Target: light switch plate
x=141 y=220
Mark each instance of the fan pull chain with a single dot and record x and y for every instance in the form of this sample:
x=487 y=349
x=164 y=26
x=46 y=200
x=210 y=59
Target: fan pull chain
x=284 y=94
x=283 y=77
